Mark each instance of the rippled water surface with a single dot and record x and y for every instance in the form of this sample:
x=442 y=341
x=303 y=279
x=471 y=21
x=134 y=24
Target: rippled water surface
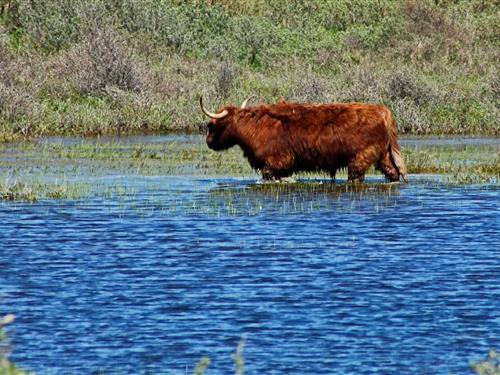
x=319 y=278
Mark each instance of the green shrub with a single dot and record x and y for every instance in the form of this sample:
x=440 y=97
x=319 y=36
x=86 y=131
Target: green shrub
x=49 y=25
x=106 y=64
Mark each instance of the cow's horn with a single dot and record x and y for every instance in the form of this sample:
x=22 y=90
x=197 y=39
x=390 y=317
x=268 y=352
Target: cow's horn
x=224 y=113
x=245 y=102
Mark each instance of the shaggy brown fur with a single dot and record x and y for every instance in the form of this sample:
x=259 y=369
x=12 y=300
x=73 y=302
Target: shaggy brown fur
x=283 y=138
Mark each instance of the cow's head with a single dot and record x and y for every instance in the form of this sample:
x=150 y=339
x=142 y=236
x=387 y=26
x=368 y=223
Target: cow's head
x=220 y=127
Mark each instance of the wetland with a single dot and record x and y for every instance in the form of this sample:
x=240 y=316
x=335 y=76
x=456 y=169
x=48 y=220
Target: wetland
x=151 y=254
x=145 y=254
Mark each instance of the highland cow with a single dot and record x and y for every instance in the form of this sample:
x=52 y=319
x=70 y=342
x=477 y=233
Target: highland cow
x=284 y=138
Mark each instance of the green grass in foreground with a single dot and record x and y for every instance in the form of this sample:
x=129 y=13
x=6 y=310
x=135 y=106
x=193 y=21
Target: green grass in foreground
x=55 y=170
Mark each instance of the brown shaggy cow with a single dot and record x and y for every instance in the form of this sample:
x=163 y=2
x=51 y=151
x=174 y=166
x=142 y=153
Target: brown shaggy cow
x=283 y=138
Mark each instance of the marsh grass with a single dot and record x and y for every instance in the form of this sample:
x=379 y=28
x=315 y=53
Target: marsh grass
x=6 y=366
x=488 y=366
x=301 y=197
x=16 y=191
x=33 y=190
x=84 y=168
x=202 y=366
x=484 y=161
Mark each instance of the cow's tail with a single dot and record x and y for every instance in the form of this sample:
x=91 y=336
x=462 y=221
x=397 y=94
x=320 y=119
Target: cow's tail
x=394 y=150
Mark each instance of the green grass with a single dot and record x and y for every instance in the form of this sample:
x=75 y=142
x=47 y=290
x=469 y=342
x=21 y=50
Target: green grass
x=138 y=66
x=466 y=164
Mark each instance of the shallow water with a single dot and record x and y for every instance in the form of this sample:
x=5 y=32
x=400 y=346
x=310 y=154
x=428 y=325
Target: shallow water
x=197 y=138
x=319 y=278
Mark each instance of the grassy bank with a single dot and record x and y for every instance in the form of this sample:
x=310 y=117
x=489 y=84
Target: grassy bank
x=138 y=66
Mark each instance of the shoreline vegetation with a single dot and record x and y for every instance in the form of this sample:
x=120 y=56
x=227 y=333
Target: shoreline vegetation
x=71 y=67
x=56 y=170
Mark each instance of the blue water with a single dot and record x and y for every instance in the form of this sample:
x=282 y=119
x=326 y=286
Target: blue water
x=317 y=279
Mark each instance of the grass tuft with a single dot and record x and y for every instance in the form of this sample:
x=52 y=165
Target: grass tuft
x=488 y=366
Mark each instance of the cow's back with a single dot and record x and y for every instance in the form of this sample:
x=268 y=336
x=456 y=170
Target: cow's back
x=327 y=136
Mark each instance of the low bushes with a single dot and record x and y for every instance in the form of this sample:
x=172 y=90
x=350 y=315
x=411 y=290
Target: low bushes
x=95 y=67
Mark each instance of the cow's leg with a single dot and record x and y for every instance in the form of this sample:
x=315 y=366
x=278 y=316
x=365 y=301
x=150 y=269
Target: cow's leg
x=277 y=166
x=273 y=174
x=388 y=168
x=268 y=174
x=333 y=172
x=355 y=175
x=358 y=166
